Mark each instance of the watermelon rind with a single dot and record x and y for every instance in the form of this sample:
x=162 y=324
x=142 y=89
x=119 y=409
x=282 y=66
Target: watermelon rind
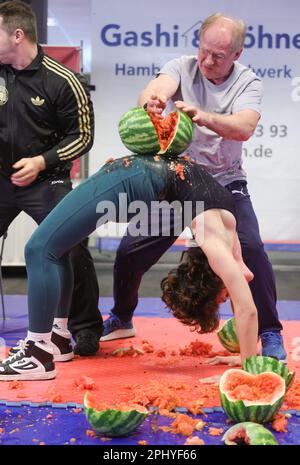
x=183 y=135
x=228 y=336
x=112 y=422
x=244 y=410
x=257 y=434
x=138 y=133
x=260 y=364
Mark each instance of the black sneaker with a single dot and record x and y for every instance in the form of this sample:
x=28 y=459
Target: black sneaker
x=62 y=347
x=61 y=340
x=87 y=343
x=33 y=362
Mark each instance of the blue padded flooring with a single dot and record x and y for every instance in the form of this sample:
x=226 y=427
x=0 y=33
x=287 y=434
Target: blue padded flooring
x=32 y=423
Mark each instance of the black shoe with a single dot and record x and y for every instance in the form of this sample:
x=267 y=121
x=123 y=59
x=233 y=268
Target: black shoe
x=87 y=343
x=33 y=362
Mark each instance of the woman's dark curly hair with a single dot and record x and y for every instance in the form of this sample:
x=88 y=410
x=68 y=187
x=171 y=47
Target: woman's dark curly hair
x=190 y=292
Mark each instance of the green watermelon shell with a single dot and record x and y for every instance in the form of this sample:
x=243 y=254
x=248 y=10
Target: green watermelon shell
x=228 y=336
x=140 y=136
x=183 y=135
x=253 y=434
x=113 y=422
x=258 y=411
x=260 y=364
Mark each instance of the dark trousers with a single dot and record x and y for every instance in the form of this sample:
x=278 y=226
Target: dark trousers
x=37 y=201
x=136 y=255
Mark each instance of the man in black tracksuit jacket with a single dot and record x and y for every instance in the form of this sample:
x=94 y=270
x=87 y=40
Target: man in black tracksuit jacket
x=46 y=121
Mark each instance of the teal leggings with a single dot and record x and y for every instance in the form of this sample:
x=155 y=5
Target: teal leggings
x=50 y=277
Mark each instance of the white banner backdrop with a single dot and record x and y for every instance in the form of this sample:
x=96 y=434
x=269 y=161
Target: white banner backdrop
x=132 y=39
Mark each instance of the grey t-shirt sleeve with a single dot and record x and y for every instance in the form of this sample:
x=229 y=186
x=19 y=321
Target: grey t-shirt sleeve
x=173 y=69
x=250 y=98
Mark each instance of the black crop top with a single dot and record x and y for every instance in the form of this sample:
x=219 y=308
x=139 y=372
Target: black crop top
x=188 y=181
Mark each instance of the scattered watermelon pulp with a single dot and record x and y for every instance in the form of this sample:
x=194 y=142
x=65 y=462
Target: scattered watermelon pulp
x=260 y=364
x=116 y=420
x=247 y=397
x=249 y=434
x=144 y=133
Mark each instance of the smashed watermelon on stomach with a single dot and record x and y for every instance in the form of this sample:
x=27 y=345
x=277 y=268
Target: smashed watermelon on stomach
x=144 y=133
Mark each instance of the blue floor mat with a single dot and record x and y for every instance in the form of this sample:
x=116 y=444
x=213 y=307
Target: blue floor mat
x=60 y=425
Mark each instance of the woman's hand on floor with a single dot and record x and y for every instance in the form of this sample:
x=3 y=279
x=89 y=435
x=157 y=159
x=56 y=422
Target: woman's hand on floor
x=230 y=360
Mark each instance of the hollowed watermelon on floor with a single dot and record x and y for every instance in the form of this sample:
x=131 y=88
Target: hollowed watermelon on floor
x=144 y=133
x=117 y=420
x=228 y=336
x=249 y=434
x=248 y=397
x=261 y=364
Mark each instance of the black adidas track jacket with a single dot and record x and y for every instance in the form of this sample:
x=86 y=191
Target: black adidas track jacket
x=45 y=109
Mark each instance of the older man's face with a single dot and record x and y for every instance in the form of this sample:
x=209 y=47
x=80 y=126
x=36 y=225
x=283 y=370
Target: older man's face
x=216 y=55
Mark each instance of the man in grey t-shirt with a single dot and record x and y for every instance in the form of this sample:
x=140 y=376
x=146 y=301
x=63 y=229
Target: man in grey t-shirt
x=223 y=99
x=239 y=95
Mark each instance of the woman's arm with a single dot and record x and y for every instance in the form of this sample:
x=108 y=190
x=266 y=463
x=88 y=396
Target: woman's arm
x=220 y=256
x=237 y=254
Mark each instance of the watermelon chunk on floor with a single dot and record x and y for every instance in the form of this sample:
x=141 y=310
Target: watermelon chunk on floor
x=247 y=397
x=249 y=434
x=113 y=420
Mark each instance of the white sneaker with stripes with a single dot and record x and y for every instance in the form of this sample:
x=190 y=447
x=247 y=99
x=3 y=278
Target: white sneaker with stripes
x=34 y=361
